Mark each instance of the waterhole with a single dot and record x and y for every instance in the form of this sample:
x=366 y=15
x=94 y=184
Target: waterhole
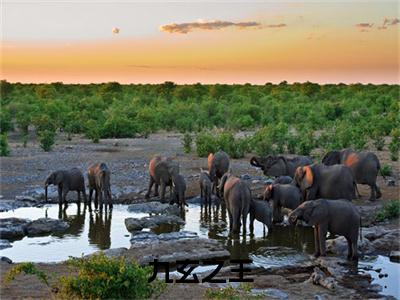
x=92 y=231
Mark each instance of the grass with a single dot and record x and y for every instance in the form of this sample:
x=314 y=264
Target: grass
x=26 y=268
x=230 y=293
x=390 y=210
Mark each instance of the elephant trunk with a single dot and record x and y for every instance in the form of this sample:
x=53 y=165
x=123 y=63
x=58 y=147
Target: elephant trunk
x=45 y=191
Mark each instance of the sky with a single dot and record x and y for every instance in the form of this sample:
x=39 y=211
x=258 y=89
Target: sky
x=194 y=41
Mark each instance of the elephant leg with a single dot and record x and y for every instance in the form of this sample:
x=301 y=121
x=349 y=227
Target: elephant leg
x=149 y=189
x=60 y=197
x=378 y=191
x=100 y=192
x=96 y=198
x=156 y=185
x=316 y=241
x=355 y=248
x=163 y=187
x=235 y=219
x=322 y=231
x=252 y=223
x=372 y=197
x=201 y=193
x=79 y=197
x=244 y=221
x=64 y=196
x=90 y=194
x=230 y=220
x=349 y=248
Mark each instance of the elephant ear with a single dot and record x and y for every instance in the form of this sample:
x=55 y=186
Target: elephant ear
x=268 y=193
x=285 y=162
x=316 y=214
x=209 y=161
x=58 y=177
x=331 y=158
x=308 y=177
x=221 y=185
x=298 y=176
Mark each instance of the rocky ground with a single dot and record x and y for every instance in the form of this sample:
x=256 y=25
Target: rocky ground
x=21 y=183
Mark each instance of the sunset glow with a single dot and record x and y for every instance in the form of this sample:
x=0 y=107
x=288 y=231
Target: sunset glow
x=134 y=42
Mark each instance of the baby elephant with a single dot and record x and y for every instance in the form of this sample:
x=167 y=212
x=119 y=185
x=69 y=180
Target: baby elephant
x=260 y=211
x=67 y=180
x=99 y=181
x=205 y=186
x=179 y=189
x=336 y=216
x=237 y=197
x=282 y=195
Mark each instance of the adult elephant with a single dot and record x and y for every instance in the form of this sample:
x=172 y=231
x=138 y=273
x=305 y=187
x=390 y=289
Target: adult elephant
x=218 y=165
x=280 y=165
x=329 y=182
x=99 y=181
x=364 y=165
x=237 y=198
x=67 y=180
x=161 y=170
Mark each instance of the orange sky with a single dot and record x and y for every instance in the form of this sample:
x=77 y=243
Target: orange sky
x=295 y=42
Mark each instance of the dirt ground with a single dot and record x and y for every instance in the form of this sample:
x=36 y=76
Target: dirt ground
x=27 y=168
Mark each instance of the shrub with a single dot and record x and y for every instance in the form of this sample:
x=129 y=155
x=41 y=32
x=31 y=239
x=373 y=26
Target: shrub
x=187 y=140
x=4 y=148
x=306 y=143
x=46 y=139
x=26 y=268
x=390 y=210
x=262 y=142
x=394 y=145
x=378 y=140
x=5 y=121
x=205 y=144
x=25 y=140
x=100 y=277
x=92 y=131
x=386 y=170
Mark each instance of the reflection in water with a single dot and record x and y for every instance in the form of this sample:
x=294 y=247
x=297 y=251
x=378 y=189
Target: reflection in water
x=100 y=229
x=76 y=222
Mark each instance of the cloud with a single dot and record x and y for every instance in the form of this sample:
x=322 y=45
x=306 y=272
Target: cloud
x=276 y=25
x=364 y=25
x=184 y=28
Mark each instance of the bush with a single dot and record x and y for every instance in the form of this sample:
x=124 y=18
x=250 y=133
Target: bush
x=390 y=210
x=205 y=144
x=306 y=143
x=4 y=148
x=5 y=121
x=100 y=277
x=262 y=142
x=46 y=139
x=92 y=131
x=378 y=140
x=26 y=268
x=187 y=140
x=394 y=145
x=386 y=170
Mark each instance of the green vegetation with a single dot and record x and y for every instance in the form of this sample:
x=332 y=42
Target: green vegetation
x=292 y=118
x=100 y=277
x=26 y=268
x=187 y=140
x=230 y=293
x=4 y=148
x=46 y=139
x=394 y=146
x=386 y=170
x=390 y=210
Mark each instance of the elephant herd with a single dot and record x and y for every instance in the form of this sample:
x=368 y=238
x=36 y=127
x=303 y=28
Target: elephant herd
x=318 y=193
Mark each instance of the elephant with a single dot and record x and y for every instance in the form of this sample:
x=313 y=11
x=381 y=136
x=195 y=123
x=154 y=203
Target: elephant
x=330 y=182
x=364 y=165
x=218 y=165
x=260 y=211
x=237 y=197
x=280 y=165
x=282 y=195
x=179 y=189
x=67 y=180
x=99 y=181
x=336 y=216
x=205 y=186
x=283 y=180
x=161 y=170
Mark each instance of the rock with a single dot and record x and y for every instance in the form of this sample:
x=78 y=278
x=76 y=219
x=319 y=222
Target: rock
x=5 y=259
x=11 y=228
x=45 y=226
x=255 y=181
x=4 y=244
x=133 y=224
x=339 y=246
x=375 y=288
x=181 y=249
x=318 y=277
x=270 y=293
x=154 y=208
x=373 y=233
x=391 y=182
x=245 y=177
x=394 y=256
x=388 y=242
x=115 y=252
x=6 y=205
x=25 y=198
x=151 y=238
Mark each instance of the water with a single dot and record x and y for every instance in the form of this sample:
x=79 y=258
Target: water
x=94 y=231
